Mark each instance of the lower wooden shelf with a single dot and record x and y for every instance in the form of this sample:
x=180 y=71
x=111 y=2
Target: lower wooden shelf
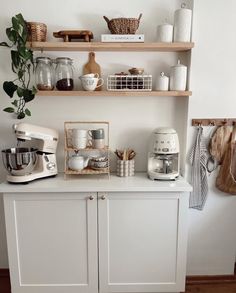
x=87 y=171
x=116 y=93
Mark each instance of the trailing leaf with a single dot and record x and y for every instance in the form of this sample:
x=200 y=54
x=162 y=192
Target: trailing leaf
x=27 y=112
x=9 y=110
x=21 y=115
x=22 y=63
x=9 y=88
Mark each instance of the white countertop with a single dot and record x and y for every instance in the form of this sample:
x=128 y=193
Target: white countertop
x=138 y=183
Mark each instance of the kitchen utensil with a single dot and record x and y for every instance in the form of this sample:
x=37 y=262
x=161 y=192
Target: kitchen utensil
x=70 y=35
x=27 y=164
x=219 y=142
x=165 y=33
x=182 y=24
x=178 y=77
x=136 y=71
x=92 y=67
x=163 y=155
x=123 y=26
x=19 y=161
x=77 y=162
x=162 y=83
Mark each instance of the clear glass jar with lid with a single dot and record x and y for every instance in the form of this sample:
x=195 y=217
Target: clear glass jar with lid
x=44 y=74
x=64 y=74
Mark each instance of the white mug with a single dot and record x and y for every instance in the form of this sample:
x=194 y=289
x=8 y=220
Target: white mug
x=89 y=75
x=91 y=83
x=79 y=138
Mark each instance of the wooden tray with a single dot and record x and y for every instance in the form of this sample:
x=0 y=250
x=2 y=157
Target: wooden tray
x=68 y=36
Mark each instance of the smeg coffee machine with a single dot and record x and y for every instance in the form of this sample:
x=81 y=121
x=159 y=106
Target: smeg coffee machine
x=163 y=155
x=25 y=164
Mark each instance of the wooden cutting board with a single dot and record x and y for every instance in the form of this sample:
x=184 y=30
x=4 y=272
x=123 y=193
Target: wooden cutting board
x=92 y=67
x=219 y=142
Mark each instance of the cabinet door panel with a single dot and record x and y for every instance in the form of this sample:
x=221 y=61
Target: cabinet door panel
x=139 y=238
x=55 y=245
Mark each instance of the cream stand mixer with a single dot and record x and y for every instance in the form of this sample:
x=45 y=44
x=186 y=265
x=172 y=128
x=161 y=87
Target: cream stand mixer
x=27 y=164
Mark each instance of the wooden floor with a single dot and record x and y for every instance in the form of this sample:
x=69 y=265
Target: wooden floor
x=211 y=288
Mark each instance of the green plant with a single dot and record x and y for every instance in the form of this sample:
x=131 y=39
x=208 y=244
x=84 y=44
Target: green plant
x=21 y=64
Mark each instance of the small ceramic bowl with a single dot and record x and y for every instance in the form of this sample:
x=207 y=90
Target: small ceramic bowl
x=136 y=71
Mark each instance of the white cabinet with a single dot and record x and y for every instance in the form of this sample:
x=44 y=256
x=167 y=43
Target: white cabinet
x=52 y=242
x=142 y=242
x=65 y=241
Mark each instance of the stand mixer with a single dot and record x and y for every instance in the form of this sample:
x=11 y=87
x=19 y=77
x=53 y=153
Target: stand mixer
x=27 y=164
x=163 y=156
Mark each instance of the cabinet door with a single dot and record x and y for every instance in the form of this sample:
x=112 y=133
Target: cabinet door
x=142 y=242
x=52 y=242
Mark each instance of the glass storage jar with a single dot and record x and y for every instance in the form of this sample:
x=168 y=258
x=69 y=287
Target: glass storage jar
x=64 y=74
x=44 y=74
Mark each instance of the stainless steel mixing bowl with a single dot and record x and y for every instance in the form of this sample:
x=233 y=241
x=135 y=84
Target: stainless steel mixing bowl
x=19 y=161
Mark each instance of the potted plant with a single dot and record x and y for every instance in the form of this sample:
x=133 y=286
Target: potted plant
x=21 y=64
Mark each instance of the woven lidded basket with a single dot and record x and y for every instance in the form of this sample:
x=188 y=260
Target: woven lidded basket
x=123 y=26
x=37 y=32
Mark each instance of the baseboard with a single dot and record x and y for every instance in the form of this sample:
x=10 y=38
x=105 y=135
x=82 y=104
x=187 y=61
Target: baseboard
x=218 y=279
x=5 y=285
x=190 y=280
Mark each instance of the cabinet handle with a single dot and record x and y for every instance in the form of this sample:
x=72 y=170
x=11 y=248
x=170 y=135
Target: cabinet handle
x=103 y=197
x=91 y=197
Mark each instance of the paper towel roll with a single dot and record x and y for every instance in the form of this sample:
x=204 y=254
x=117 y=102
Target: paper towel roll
x=182 y=25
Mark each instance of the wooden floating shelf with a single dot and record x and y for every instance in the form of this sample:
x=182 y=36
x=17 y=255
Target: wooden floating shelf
x=115 y=93
x=98 y=46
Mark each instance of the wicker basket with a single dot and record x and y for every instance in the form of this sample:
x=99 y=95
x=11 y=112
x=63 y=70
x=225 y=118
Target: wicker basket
x=37 y=32
x=123 y=26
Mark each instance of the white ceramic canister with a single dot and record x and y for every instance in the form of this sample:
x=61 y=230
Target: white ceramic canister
x=182 y=24
x=178 y=77
x=162 y=83
x=165 y=33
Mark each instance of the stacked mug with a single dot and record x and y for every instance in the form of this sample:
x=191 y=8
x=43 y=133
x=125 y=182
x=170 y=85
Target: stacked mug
x=79 y=138
x=90 y=81
x=98 y=138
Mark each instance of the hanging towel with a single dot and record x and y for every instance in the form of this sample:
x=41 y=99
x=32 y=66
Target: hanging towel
x=198 y=160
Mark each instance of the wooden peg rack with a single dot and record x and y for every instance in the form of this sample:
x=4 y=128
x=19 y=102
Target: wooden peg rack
x=214 y=122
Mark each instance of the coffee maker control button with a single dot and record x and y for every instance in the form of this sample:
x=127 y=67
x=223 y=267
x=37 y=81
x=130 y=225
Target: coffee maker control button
x=51 y=166
x=165 y=150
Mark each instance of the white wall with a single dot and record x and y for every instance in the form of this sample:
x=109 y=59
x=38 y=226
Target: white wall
x=212 y=233
x=132 y=119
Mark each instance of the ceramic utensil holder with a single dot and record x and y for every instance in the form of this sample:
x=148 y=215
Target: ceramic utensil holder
x=125 y=168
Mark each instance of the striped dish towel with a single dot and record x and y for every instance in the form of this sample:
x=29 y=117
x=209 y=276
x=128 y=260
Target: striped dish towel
x=198 y=160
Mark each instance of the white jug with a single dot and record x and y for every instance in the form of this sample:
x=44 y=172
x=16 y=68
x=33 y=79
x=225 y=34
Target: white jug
x=178 y=77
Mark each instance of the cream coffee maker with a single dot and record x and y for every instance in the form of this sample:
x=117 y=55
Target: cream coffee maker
x=163 y=155
x=25 y=164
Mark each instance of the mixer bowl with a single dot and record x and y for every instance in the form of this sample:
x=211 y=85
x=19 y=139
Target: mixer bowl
x=19 y=161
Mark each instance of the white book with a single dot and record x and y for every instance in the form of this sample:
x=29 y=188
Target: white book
x=110 y=38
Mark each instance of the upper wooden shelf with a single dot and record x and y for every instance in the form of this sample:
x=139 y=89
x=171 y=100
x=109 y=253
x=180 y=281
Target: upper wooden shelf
x=98 y=46
x=115 y=93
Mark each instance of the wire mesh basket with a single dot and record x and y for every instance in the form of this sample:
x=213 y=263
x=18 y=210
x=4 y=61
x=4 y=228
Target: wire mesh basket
x=129 y=83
